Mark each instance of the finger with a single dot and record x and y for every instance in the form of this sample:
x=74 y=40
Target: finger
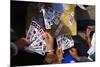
x=70 y=51
x=22 y=42
x=73 y=49
x=59 y=51
x=25 y=40
x=49 y=35
x=45 y=34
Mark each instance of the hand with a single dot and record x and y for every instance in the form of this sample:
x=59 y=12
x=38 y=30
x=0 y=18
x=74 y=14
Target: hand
x=49 y=40
x=73 y=52
x=20 y=43
x=87 y=34
x=50 y=58
x=59 y=54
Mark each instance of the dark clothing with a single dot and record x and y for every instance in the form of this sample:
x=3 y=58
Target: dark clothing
x=81 y=46
x=84 y=59
x=25 y=58
x=93 y=56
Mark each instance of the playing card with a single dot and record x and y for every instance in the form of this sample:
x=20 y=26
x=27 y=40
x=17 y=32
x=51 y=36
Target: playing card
x=56 y=20
x=65 y=41
x=32 y=50
x=47 y=24
x=59 y=42
x=30 y=33
x=50 y=14
x=59 y=29
x=36 y=35
x=71 y=18
x=37 y=26
x=42 y=33
x=37 y=46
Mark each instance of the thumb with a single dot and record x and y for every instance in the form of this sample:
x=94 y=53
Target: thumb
x=70 y=51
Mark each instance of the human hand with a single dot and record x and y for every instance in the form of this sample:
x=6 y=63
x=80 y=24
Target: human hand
x=50 y=58
x=59 y=54
x=20 y=43
x=74 y=54
x=49 y=40
x=87 y=34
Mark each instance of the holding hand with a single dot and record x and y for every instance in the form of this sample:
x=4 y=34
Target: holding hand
x=73 y=52
x=20 y=43
x=49 y=40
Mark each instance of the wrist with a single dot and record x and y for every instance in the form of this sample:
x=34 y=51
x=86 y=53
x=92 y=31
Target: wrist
x=50 y=51
x=49 y=46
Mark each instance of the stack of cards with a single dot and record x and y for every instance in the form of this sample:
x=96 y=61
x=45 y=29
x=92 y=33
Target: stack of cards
x=64 y=41
x=36 y=36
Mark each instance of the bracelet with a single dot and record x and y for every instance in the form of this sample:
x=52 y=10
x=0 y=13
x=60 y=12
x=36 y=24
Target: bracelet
x=49 y=50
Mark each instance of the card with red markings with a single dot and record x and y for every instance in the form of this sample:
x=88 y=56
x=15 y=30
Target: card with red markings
x=65 y=41
x=36 y=35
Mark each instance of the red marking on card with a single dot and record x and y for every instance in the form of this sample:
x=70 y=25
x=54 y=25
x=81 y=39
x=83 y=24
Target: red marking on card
x=71 y=18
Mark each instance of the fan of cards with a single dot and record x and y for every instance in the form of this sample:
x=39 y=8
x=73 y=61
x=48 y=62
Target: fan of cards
x=36 y=36
x=65 y=41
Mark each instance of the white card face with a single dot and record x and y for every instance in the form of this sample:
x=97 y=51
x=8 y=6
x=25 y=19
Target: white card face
x=59 y=42
x=42 y=33
x=30 y=33
x=35 y=25
x=67 y=41
x=64 y=41
x=71 y=19
x=46 y=19
x=50 y=14
x=33 y=31
x=66 y=44
x=56 y=20
x=39 y=42
x=38 y=46
x=40 y=52
x=59 y=29
x=36 y=35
